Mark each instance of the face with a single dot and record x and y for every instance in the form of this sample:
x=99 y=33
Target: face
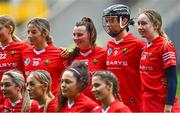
x=34 y=87
x=35 y=35
x=69 y=85
x=145 y=26
x=9 y=88
x=4 y=33
x=100 y=89
x=111 y=24
x=81 y=37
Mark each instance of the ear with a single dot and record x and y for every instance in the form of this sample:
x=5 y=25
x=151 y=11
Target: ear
x=109 y=85
x=124 y=21
x=10 y=29
x=44 y=34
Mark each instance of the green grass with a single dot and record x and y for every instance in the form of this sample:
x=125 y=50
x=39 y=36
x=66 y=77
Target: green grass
x=178 y=87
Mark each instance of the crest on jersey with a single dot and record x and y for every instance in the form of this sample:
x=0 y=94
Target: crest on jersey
x=132 y=99
x=109 y=51
x=124 y=51
x=27 y=61
x=95 y=61
x=149 y=55
x=46 y=62
x=12 y=52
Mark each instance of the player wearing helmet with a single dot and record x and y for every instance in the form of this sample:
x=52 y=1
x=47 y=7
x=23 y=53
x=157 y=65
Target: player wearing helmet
x=123 y=54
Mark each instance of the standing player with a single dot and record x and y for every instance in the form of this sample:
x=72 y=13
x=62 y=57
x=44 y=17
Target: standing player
x=157 y=65
x=84 y=36
x=106 y=89
x=123 y=54
x=10 y=49
x=42 y=55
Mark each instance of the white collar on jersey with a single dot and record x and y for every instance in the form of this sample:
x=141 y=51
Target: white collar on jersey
x=105 y=110
x=117 y=42
x=70 y=104
x=4 y=47
x=16 y=102
x=86 y=53
x=149 y=44
x=37 y=52
x=40 y=106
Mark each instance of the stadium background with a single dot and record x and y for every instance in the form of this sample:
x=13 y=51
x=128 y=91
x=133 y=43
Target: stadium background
x=63 y=15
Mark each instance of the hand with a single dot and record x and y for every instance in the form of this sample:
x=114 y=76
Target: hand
x=167 y=108
x=65 y=53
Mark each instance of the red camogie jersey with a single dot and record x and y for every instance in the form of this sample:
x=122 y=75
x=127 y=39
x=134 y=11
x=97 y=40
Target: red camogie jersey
x=156 y=57
x=10 y=58
x=15 y=107
x=12 y=107
x=96 y=60
x=114 y=107
x=123 y=60
x=82 y=103
x=49 y=60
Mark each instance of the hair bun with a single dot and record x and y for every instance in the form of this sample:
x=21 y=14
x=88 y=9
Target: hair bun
x=86 y=19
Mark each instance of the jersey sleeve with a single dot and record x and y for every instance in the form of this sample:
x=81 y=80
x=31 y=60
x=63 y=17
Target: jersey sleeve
x=168 y=55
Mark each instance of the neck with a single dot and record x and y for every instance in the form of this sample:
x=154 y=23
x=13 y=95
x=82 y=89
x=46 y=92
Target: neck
x=73 y=97
x=107 y=101
x=121 y=35
x=40 y=46
x=14 y=99
x=152 y=36
x=6 y=42
x=43 y=100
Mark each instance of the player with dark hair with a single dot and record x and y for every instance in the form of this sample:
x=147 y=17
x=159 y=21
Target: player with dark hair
x=123 y=54
x=73 y=82
x=106 y=89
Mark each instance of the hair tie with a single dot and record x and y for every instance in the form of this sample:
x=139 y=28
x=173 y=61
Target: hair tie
x=77 y=72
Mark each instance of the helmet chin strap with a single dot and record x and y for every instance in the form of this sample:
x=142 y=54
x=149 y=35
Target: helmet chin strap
x=120 y=23
x=114 y=34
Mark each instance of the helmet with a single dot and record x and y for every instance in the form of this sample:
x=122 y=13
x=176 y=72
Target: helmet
x=117 y=12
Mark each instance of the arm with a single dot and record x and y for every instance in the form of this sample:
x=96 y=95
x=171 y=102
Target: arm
x=171 y=87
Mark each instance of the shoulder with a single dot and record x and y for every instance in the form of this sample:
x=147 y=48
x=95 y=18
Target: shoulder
x=118 y=106
x=88 y=103
x=52 y=105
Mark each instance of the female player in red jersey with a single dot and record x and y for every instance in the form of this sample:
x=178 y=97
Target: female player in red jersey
x=13 y=88
x=157 y=65
x=84 y=36
x=106 y=89
x=42 y=54
x=11 y=48
x=39 y=87
x=71 y=98
x=123 y=54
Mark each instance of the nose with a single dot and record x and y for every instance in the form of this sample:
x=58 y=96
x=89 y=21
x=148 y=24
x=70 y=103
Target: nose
x=75 y=37
x=29 y=35
x=63 y=85
x=93 y=89
x=2 y=88
x=28 y=88
x=139 y=26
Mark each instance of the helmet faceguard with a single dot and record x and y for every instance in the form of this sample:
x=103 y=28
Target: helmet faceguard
x=114 y=15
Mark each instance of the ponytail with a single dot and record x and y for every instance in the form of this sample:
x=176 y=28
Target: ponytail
x=15 y=38
x=26 y=102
